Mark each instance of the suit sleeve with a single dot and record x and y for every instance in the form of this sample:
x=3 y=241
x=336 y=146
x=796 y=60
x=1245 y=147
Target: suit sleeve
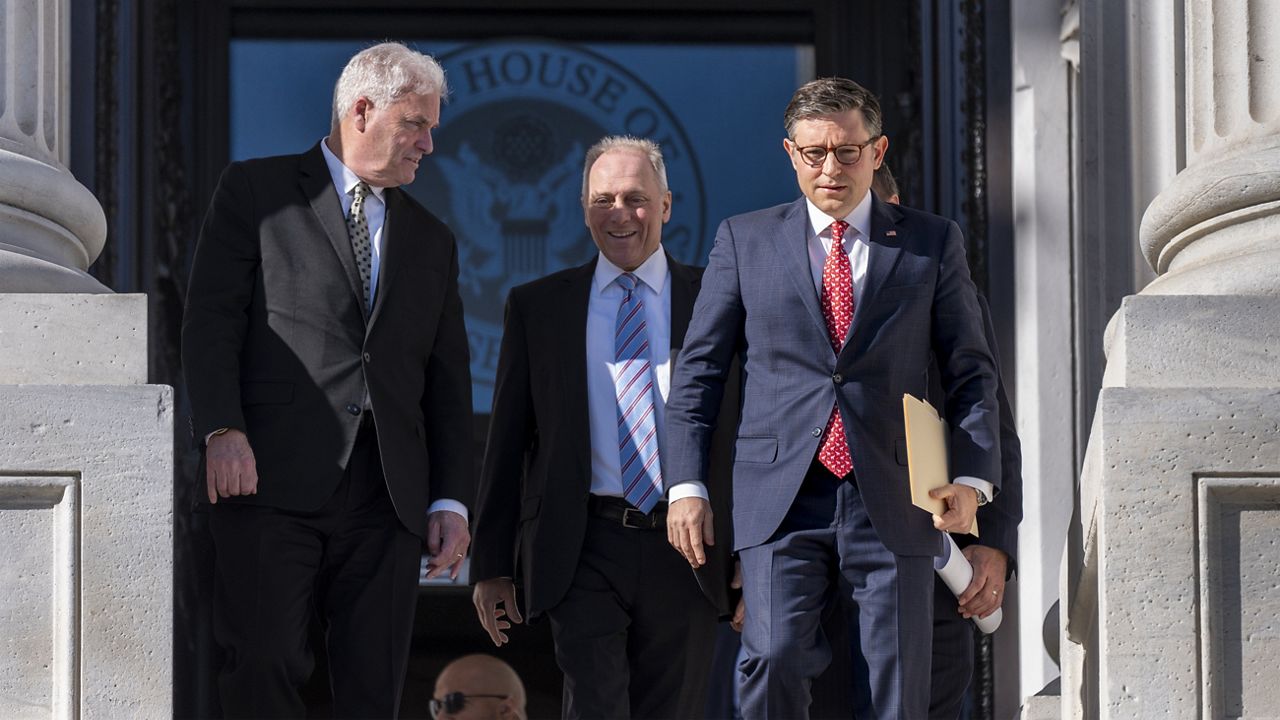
x=966 y=367
x=220 y=290
x=999 y=519
x=446 y=401
x=697 y=385
x=511 y=438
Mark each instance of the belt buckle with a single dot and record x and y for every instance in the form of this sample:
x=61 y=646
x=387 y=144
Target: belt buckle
x=644 y=523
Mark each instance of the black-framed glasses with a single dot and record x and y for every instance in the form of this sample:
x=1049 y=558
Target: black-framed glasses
x=454 y=702
x=816 y=155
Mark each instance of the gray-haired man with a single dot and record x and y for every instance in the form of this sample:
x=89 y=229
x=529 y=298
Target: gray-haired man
x=327 y=364
x=571 y=492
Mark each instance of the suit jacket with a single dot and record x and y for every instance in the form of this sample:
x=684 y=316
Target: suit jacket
x=275 y=341
x=997 y=520
x=758 y=299
x=531 y=517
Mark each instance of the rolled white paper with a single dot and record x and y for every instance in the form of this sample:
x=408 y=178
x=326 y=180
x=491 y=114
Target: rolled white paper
x=956 y=572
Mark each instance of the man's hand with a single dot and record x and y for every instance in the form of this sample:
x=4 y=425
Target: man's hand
x=447 y=542
x=740 y=612
x=962 y=505
x=689 y=526
x=487 y=597
x=229 y=466
x=986 y=591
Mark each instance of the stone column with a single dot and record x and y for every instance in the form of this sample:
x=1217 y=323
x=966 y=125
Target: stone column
x=1169 y=583
x=51 y=227
x=86 y=446
x=1216 y=228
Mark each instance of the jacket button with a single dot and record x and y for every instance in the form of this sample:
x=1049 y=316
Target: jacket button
x=353 y=409
x=837 y=378
x=817 y=432
x=367 y=358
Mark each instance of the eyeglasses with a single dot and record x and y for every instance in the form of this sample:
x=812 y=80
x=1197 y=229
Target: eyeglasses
x=816 y=155
x=454 y=702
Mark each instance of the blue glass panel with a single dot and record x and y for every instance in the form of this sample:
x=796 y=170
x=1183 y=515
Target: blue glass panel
x=507 y=170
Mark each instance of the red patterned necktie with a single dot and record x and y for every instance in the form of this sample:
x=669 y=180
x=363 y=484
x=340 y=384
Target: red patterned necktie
x=837 y=308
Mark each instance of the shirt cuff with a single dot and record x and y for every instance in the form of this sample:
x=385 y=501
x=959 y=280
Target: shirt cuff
x=452 y=506
x=987 y=489
x=688 y=489
x=209 y=437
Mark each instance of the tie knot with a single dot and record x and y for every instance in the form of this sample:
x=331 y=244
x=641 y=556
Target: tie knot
x=359 y=193
x=837 y=231
x=628 y=282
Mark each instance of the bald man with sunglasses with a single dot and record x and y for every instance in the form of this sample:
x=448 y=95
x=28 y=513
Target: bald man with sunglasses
x=478 y=687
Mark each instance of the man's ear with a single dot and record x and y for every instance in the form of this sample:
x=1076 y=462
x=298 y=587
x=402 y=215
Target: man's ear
x=360 y=111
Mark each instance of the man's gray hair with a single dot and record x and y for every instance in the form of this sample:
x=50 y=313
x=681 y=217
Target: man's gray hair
x=385 y=73
x=830 y=96
x=647 y=147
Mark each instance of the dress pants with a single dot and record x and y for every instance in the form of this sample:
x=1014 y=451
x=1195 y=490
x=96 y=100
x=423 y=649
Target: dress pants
x=351 y=561
x=952 y=665
x=634 y=634
x=953 y=642
x=827 y=539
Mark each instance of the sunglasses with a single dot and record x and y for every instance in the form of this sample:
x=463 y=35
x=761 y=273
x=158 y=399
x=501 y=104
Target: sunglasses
x=454 y=702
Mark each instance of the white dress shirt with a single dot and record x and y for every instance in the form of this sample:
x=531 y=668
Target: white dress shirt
x=375 y=212
x=654 y=288
x=855 y=242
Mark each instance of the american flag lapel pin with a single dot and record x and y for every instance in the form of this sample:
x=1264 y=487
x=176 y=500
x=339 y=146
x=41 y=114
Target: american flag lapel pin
x=891 y=233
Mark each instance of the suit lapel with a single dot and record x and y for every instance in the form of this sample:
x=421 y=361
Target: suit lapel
x=570 y=331
x=684 y=289
x=793 y=246
x=393 y=249
x=317 y=185
x=884 y=249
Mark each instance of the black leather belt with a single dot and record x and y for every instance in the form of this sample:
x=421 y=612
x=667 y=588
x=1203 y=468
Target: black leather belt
x=625 y=514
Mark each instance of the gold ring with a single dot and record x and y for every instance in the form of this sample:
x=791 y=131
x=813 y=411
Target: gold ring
x=459 y=555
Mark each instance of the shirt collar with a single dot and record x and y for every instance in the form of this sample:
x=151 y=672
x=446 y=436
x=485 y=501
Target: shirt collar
x=859 y=218
x=652 y=272
x=343 y=178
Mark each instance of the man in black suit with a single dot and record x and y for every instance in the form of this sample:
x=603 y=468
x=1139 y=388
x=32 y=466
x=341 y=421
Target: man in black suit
x=327 y=365
x=993 y=555
x=571 y=495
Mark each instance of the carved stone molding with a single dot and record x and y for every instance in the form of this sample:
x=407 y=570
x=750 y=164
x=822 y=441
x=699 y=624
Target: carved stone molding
x=1216 y=228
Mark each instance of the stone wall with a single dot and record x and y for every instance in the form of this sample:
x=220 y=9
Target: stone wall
x=1170 y=575
x=86 y=446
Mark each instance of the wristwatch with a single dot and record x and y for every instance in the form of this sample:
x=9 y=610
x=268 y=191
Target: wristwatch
x=982 y=497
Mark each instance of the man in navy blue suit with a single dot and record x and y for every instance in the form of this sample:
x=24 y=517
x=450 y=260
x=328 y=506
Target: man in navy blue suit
x=835 y=304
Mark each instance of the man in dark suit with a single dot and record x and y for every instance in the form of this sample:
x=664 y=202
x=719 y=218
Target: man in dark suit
x=993 y=555
x=836 y=304
x=571 y=495
x=327 y=365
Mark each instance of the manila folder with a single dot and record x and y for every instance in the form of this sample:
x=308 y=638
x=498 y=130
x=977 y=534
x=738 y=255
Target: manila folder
x=927 y=455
